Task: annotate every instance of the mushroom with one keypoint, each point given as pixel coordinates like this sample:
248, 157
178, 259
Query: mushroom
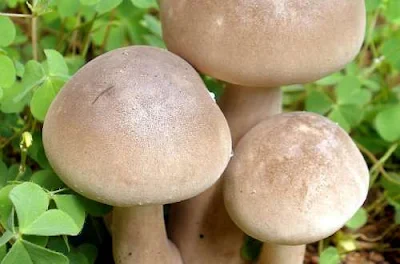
296, 178
256, 46
136, 128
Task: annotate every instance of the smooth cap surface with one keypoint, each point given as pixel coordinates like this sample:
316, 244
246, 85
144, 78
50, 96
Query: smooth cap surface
137, 126
265, 43
295, 179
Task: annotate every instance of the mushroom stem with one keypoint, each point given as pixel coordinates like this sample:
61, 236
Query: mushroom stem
200, 227
244, 107
276, 254
139, 236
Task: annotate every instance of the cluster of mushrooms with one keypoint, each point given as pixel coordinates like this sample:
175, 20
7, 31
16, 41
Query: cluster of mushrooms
136, 129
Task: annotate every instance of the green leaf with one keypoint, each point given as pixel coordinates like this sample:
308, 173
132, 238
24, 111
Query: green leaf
3, 252
13, 171
3, 174
392, 11
53, 222
17, 255
56, 63
250, 249
67, 8
30, 202
347, 116
5, 204
388, 125
397, 216
330, 256
352, 69
58, 244
90, 252
152, 24
349, 92
34, 76
7, 72
76, 257
358, 220
390, 185
154, 41
144, 4
9, 103
42, 99
372, 4
36, 152
47, 179
371, 85
71, 205
8, 31
6, 237
37, 240
89, 2
105, 6
41, 255
74, 63
115, 38
94, 208
391, 51
318, 102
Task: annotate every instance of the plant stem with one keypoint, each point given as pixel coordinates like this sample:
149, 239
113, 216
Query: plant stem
320, 247
379, 164
59, 191
108, 30
22, 166
369, 43
86, 42
16, 15
34, 35
375, 204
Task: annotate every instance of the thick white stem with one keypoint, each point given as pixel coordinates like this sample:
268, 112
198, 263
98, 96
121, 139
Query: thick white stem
139, 236
278, 254
200, 227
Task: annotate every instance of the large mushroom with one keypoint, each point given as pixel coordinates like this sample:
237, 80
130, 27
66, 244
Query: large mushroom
295, 179
256, 46
136, 128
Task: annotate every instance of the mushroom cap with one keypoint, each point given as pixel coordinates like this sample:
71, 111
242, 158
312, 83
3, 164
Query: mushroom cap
265, 43
295, 179
137, 126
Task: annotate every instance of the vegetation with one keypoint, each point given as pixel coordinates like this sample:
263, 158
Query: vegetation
44, 42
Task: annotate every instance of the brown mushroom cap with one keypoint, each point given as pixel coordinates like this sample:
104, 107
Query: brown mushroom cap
137, 126
295, 178
265, 43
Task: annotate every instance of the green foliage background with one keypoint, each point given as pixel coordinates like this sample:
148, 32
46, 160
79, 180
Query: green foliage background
44, 42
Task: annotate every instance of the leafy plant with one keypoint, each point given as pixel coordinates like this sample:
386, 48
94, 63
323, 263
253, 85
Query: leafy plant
44, 42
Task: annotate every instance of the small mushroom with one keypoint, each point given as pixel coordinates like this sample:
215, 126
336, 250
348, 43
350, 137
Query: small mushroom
136, 128
256, 46
295, 179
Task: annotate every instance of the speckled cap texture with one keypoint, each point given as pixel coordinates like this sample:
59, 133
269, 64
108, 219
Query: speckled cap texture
265, 43
137, 126
295, 179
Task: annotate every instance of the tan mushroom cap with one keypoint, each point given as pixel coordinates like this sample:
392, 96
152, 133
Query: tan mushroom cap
295, 179
137, 126
265, 42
